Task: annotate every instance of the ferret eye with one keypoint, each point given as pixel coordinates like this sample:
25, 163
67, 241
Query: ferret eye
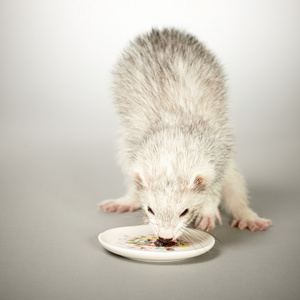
150, 210
184, 213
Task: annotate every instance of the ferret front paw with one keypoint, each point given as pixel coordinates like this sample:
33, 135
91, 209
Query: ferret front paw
253, 225
208, 222
119, 205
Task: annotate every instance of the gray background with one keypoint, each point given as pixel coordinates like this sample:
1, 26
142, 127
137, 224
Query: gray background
57, 149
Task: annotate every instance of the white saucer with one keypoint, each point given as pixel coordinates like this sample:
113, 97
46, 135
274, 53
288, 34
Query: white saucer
136, 242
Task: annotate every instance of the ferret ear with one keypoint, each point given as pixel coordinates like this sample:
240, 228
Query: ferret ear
197, 182
140, 180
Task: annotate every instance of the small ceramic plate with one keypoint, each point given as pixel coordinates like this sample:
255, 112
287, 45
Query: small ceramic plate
137, 243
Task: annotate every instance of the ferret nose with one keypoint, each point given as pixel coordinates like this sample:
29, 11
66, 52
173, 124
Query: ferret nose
164, 241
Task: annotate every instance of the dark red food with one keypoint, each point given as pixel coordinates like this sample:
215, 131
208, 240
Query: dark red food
159, 243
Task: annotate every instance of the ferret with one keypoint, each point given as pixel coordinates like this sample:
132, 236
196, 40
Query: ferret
176, 145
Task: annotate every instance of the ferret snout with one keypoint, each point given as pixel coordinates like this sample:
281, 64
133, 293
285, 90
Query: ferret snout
164, 241
165, 235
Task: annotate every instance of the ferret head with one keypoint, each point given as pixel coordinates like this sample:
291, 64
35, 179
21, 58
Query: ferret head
170, 205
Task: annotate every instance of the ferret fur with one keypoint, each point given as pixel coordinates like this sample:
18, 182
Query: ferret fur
176, 146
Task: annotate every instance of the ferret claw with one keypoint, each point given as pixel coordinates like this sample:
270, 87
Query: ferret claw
252, 225
119, 205
208, 223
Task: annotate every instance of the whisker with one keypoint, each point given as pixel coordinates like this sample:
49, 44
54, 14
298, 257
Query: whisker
191, 241
194, 237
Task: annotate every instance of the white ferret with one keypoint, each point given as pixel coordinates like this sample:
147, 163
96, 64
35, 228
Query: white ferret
176, 143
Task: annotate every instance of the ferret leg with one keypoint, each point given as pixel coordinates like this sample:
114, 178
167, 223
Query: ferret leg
236, 202
209, 213
130, 202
